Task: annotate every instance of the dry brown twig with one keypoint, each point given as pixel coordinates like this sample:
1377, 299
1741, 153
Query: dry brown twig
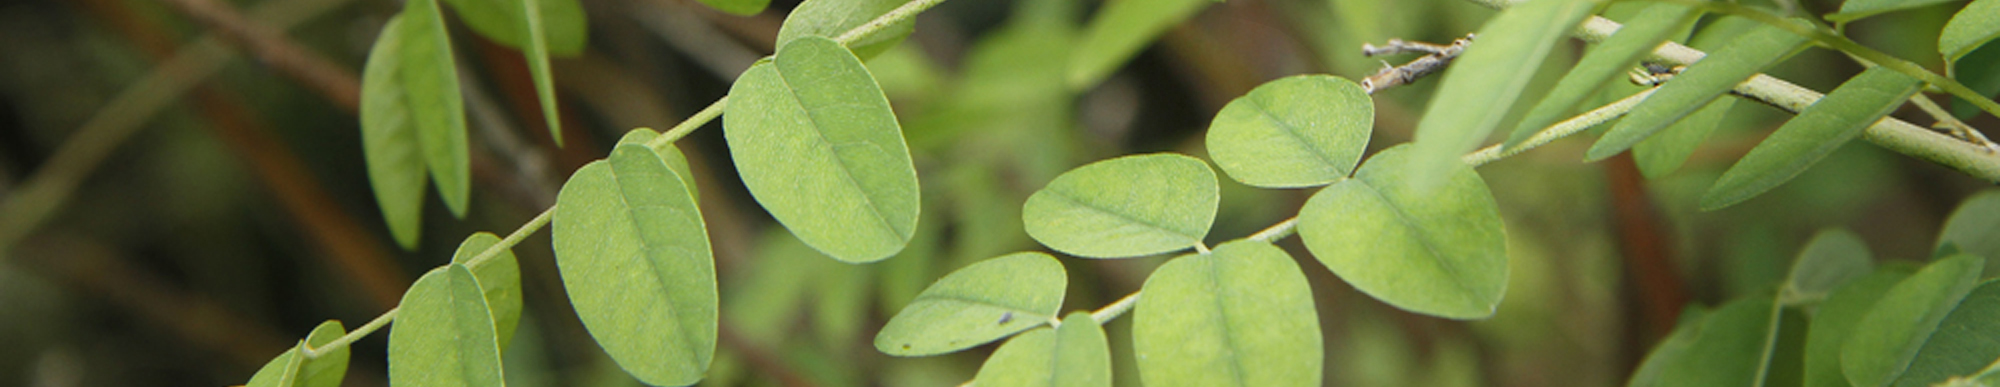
1436, 58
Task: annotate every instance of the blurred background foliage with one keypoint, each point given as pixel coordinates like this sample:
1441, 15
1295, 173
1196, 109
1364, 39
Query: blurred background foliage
237, 216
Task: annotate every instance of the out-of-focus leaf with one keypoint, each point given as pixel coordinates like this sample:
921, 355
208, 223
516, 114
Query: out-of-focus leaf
1729, 350
1695, 87
1623, 49
1974, 228
499, 279
1835, 322
1440, 251
563, 23
536, 49
1119, 31
1964, 344
1816, 132
1073, 355
1125, 207
1852, 10
1241, 315
1670, 350
977, 304
1482, 84
443, 335
1831, 259
429, 76
291, 370
1888, 338
634, 256
1298, 131
830, 18
395, 159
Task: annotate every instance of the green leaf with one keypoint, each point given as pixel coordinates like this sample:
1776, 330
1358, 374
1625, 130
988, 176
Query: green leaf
429, 77
1693, 88
1973, 26
1978, 70
1889, 336
291, 370
1482, 84
1125, 207
1836, 320
671, 155
1621, 51
1731, 348
977, 304
1665, 151
389, 138
444, 334
499, 279
1670, 350
1073, 355
830, 18
537, 52
1965, 342
563, 25
1831, 259
1975, 229
739, 7
1816, 132
1241, 315
1852, 10
1119, 31
816, 143
635, 259
1299, 131
1440, 251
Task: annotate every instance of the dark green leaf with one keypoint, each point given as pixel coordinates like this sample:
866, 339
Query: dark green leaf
1665, 151
1241, 315
1073, 355
562, 23
1481, 85
1119, 31
1852, 10
635, 259
1621, 51
1965, 343
830, 18
389, 138
499, 279
1730, 349
1670, 350
537, 52
1835, 322
1440, 251
1299, 131
1695, 87
1817, 131
1125, 207
291, 370
443, 335
1831, 259
429, 77
1975, 229
816, 143
977, 304
1889, 336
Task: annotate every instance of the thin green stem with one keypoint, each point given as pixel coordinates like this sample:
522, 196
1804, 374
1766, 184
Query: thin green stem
905, 12
1118, 308
1277, 231
348, 339
1559, 130
512, 239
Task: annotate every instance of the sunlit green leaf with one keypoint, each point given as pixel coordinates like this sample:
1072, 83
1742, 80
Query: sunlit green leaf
1119, 31
537, 51
499, 279
1073, 355
1241, 315
1665, 151
1973, 26
1669, 352
671, 155
429, 77
1482, 84
1621, 51
1974, 228
280, 372
1965, 342
1125, 207
1831, 259
1835, 322
830, 18
443, 335
395, 160
1889, 336
1695, 87
1852, 10
1440, 251
635, 260
291, 370
1817, 131
815, 142
500, 20
1299, 131
977, 304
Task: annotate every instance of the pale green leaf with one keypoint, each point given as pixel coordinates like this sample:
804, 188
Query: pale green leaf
563, 23
1835, 322
396, 171
1621, 51
1974, 228
499, 279
1665, 151
291, 370
1852, 10
1973, 26
671, 155
830, 18
1695, 87
429, 76
1073, 355
1125, 207
536, 50
815, 142
1888, 337
1669, 352
1965, 343
1816, 132
282, 371
1241, 315
635, 259
1440, 251
1482, 84
443, 335
1299, 131
1831, 259
977, 304
1119, 30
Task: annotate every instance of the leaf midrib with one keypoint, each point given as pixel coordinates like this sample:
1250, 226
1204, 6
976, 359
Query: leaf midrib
1424, 239
686, 338
1294, 133
1066, 197
846, 173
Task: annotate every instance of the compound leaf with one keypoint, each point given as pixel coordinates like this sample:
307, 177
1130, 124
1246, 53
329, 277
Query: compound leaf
1974, 228
499, 279
1298, 131
830, 18
1125, 207
443, 335
1119, 31
1440, 251
1836, 320
1623, 49
1816, 132
634, 256
1241, 315
1482, 84
389, 138
1895, 329
1073, 355
429, 77
977, 304
1695, 87
563, 26
815, 142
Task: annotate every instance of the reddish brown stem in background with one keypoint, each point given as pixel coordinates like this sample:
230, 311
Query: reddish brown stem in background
1653, 281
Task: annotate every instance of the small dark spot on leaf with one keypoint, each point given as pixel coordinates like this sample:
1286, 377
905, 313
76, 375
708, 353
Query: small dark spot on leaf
906, 346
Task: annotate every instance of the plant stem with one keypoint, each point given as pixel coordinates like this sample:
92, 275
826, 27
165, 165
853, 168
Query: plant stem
513, 238
1276, 231
688, 126
1559, 130
1108, 312
359, 332
902, 13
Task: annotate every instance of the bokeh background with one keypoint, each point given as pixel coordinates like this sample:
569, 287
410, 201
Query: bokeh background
178, 212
